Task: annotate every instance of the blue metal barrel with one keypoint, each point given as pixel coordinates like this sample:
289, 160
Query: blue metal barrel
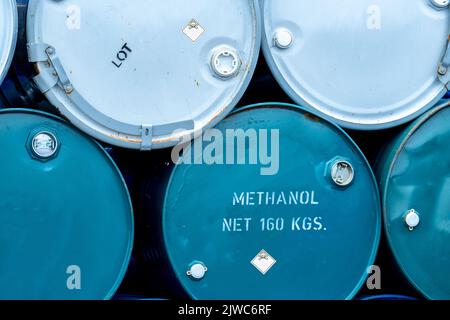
414, 172
365, 64
305, 227
8, 34
66, 219
159, 72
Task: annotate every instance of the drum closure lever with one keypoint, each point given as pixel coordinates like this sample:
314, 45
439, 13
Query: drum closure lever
53, 73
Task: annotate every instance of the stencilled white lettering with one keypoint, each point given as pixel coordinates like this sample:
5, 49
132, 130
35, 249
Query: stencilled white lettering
253, 199
261, 198
236, 225
273, 224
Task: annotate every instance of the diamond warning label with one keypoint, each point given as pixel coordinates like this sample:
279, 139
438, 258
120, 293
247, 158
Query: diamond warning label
193, 30
263, 262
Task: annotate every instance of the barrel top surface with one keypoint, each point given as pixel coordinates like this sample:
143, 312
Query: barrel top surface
143, 67
8, 35
66, 222
366, 64
418, 179
318, 238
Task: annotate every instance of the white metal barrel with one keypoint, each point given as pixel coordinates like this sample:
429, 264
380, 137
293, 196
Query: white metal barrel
142, 74
8, 34
366, 64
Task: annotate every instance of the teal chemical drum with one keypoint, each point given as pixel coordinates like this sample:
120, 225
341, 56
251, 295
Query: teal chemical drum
415, 175
66, 220
276, 204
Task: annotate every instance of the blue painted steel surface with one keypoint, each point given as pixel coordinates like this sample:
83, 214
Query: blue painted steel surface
218, 216
66, 221
414, 172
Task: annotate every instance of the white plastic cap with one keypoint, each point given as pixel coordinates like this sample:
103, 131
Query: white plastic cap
283, 38
412, 219
197, 271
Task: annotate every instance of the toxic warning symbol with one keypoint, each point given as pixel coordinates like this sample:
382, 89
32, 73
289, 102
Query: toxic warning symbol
263, 262
193, 30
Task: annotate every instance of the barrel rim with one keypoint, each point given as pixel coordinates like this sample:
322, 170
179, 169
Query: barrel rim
13, 43
389, 297
109, 134
405, 137
128, 254
299, 99
301, 109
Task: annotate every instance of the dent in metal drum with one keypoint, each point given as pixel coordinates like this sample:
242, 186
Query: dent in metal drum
417, 178
364, 64
8, 34
66, 221
327, 260
139, 68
